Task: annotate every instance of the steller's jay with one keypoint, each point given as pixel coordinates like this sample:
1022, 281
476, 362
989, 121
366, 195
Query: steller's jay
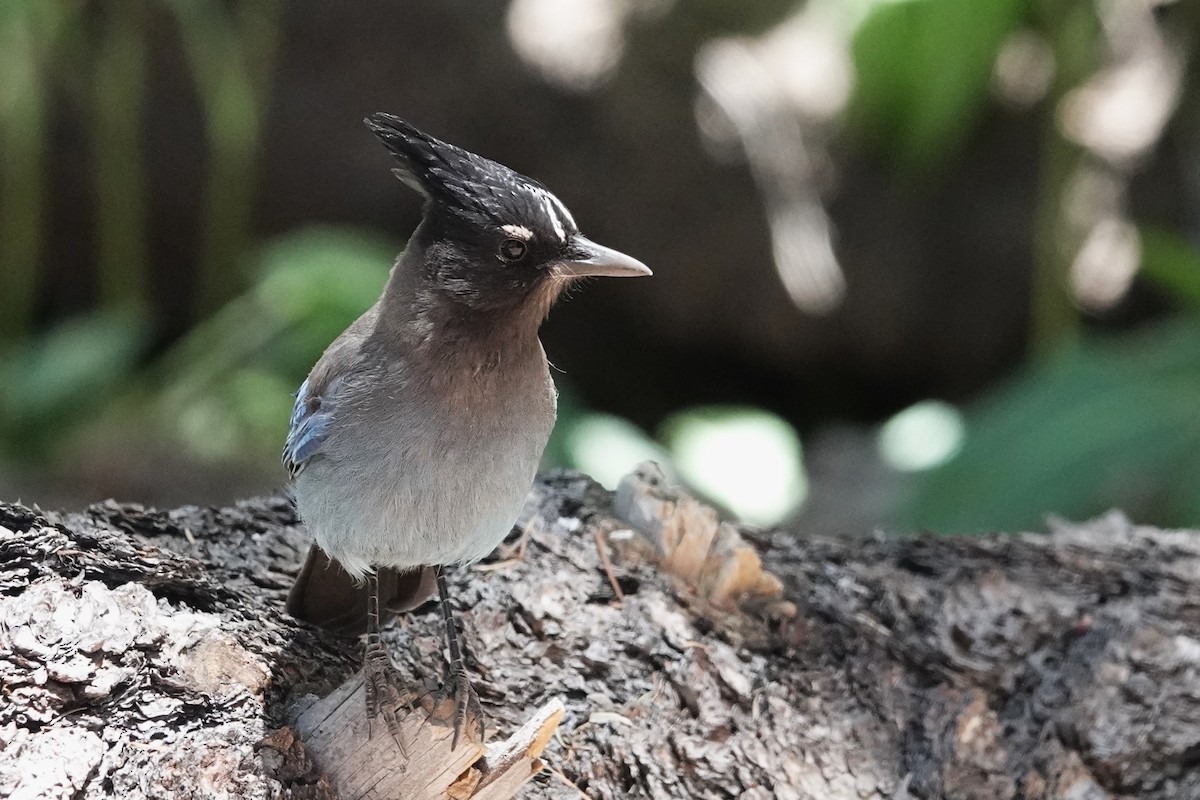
417, 435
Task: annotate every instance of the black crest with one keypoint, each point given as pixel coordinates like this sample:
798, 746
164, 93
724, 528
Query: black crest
477, 190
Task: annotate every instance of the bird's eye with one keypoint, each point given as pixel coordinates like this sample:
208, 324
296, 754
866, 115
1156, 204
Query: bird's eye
512, 250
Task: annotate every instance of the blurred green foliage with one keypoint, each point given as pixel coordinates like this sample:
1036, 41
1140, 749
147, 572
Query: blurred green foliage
225, 390
1110, 423
53, 384
231, 50
28, 33
97, 56
923, 68
1091, 421
1096, 423
1169, 262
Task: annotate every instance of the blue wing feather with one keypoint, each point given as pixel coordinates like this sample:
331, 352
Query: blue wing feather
308, 429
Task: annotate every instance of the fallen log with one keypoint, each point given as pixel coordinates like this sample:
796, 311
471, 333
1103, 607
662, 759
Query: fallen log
146, 654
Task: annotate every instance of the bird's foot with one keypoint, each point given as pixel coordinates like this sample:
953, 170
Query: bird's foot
456, 702
383, 686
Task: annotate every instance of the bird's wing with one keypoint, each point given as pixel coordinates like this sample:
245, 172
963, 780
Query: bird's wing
339, 368
309, 425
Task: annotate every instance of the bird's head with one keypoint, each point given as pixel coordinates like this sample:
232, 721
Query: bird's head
491, 237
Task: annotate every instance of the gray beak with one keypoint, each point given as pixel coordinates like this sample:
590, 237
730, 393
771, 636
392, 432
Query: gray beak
586, 259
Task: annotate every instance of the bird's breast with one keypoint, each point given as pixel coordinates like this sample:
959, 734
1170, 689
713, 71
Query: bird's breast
431, 471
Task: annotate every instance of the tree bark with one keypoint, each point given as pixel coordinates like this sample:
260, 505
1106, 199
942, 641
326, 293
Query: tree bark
146, 654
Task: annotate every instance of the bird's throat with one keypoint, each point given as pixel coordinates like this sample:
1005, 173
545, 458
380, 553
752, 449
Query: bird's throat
474, 340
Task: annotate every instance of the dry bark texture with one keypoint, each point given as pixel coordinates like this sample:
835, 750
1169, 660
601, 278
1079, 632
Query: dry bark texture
145, 654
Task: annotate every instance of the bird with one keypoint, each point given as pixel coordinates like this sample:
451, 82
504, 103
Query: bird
417, 435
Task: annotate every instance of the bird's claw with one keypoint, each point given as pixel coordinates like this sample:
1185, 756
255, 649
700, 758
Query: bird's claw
384, 695
457, 702
454, 702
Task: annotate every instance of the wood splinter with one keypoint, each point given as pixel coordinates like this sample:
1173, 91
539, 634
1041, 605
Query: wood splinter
371, 767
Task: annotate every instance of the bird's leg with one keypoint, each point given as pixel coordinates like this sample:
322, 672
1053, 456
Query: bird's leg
606, 562
381, 682
466, 702
516, 550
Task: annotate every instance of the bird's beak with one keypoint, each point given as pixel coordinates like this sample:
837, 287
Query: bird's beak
586, 259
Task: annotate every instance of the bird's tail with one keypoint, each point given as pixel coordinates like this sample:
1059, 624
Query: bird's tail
328, 596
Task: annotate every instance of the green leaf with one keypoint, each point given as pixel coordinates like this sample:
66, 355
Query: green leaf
227, 387
67, 375
923, 72
1110, 424
1173, 264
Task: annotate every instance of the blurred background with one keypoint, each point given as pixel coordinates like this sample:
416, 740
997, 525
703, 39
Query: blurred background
919, 264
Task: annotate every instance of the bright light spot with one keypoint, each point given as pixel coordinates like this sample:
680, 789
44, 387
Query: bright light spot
802, 243
777, 93
1120, 113
1104, 267
1024, 68
851, 13
747, 460
573, 43
810, 65
608, 448
922, 436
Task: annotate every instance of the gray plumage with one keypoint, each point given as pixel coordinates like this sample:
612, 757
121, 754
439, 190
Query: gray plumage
434, 437
418, 433
416, 436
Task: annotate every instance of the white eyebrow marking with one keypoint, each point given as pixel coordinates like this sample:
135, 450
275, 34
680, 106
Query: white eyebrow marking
519, 231
557, 213
553, 214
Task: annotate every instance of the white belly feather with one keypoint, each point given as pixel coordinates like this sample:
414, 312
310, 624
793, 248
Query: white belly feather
395, 492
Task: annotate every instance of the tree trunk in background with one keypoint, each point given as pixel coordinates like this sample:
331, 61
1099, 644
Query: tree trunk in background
146, 654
